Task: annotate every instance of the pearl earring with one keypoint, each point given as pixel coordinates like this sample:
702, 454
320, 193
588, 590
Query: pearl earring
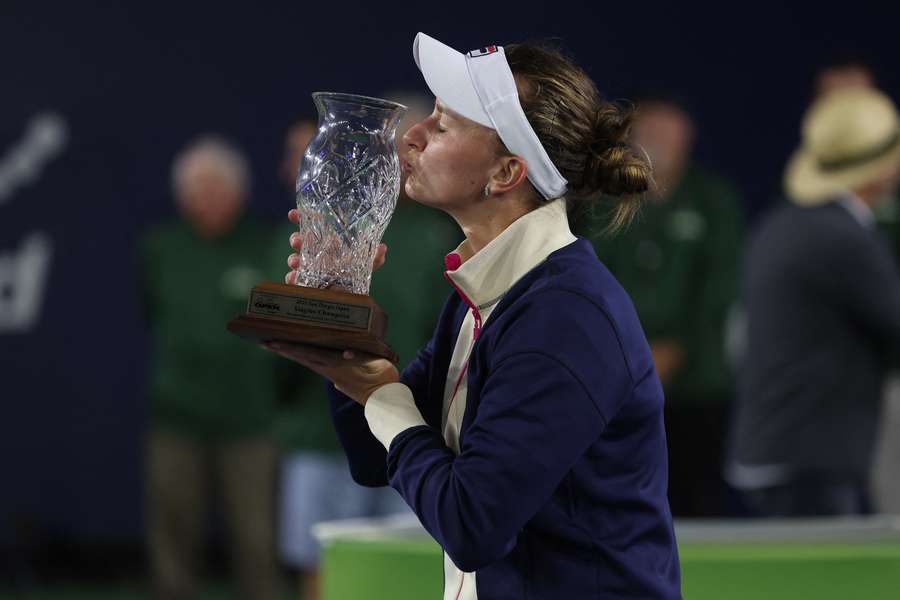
487, 190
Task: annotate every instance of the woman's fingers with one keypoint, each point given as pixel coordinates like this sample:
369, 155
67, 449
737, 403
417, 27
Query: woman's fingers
359, 358
380, 256
320, 357
308, 355
296, 242
356, 374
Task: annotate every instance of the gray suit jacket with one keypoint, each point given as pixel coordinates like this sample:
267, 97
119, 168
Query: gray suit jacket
822, 293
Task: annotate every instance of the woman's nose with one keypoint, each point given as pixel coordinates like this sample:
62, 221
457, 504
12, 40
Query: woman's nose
415, 136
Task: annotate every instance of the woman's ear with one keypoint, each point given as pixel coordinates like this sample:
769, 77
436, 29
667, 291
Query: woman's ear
510, 173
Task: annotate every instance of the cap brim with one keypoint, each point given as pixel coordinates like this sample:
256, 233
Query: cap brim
447, 76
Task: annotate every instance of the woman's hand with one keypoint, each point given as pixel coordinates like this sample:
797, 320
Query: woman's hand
296, 242
355, 374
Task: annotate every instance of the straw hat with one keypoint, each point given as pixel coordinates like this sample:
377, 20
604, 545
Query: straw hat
851, 137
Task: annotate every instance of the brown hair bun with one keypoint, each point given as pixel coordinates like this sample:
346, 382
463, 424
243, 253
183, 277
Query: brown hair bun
585, 135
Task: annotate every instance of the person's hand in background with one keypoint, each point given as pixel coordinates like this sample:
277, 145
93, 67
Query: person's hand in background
668, 357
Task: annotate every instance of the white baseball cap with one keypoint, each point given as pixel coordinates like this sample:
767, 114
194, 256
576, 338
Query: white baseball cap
480, 86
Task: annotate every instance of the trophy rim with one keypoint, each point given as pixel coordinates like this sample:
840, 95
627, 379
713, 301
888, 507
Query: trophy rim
379, 102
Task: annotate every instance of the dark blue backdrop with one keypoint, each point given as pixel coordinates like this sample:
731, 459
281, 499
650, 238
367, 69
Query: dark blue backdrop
95, 98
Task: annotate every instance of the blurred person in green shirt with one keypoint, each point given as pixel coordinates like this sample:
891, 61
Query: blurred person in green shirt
679, 263
315, 478
211, 393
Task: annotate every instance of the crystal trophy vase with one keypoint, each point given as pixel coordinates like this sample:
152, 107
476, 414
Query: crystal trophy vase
347, 190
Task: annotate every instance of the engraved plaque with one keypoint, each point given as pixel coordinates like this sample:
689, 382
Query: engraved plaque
323, 312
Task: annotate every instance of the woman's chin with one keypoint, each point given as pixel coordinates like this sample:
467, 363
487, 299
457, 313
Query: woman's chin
413, 192
419, 196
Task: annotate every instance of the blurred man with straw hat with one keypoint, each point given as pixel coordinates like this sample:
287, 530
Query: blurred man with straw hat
823, 306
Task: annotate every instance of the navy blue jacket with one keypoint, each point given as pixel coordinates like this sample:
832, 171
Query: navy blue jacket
559, 489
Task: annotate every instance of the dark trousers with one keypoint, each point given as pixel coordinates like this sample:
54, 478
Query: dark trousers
812, 494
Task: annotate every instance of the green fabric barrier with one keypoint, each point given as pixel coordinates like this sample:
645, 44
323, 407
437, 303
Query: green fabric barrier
411, 569
791, 571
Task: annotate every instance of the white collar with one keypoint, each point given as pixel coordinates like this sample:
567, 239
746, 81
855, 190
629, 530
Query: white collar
858, 209
487, 275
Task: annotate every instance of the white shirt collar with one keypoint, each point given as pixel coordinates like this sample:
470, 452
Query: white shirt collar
859, 210
486, 276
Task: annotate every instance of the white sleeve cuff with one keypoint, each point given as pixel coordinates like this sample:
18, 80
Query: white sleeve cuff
390, 410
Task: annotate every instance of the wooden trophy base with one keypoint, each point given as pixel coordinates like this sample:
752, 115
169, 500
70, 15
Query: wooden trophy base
323, 318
